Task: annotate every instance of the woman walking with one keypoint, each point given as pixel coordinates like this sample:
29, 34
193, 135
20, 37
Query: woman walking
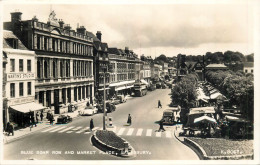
129, 120
159, 104
91, 125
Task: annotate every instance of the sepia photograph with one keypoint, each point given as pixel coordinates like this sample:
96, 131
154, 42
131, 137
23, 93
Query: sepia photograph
130, 82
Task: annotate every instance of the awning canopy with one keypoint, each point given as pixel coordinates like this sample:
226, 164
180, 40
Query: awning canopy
120, 88
122, 83
25, 108
131, 86
237, 119
145, 82
103, 89
201, 110
205, 118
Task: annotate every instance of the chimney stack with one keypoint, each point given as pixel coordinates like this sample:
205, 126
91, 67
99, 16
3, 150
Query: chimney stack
126, 50
81, 30
61, 23
16, 16
67, 27
99, 34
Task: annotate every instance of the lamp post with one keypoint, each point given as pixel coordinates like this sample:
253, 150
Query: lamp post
104, 97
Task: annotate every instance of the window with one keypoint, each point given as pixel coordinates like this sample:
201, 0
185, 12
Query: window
246, 70
29, 67
29, 88
13, 42
20, 89
12, 90
12, 65
252, 70
38, 69
21, 65
54, 69
45, 69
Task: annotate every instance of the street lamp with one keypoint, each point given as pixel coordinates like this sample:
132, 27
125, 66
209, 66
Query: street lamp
104, 98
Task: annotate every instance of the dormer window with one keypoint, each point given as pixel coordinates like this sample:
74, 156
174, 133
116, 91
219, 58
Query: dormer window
13, 42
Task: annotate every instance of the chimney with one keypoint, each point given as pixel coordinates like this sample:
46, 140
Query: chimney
81, 30
99, 34
126, 50
61, 23
67, 27
16, 16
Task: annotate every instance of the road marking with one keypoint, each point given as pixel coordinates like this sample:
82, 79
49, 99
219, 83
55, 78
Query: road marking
149, 132
54, 127
58, 129
76, 128
139, 132
130, 132
168, 134
66, 129
96, 128
158, 134
87, 133
121, 131
84, 129
69, 131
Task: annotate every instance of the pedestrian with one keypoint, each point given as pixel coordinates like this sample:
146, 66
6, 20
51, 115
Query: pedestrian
51, 118
159, 104
129, 120
7, 129
91, 125
11, 129
37, 117
161, 126
41, 115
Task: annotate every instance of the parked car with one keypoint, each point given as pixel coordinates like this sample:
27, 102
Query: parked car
110, 107
168, 117
63, 119
152, 87
119, 99
158, 85
89, 110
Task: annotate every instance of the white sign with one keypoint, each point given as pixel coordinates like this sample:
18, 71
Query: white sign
20, 76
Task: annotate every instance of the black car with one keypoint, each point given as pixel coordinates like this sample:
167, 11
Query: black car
63, 119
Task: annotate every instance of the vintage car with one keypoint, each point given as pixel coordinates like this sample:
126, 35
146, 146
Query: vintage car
89, 110
110, 107
119, 99
152, 87
168, 117
63, 119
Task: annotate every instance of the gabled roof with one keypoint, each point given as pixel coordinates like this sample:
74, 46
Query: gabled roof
97, 45
10, 35
104, 46
93, 36
249, 64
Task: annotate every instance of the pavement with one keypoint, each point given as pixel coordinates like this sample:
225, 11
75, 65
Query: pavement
41, 125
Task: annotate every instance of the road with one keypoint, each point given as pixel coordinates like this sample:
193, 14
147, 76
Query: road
72, 141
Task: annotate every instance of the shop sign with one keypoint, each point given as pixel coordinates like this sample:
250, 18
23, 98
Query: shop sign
20, 76
20, 100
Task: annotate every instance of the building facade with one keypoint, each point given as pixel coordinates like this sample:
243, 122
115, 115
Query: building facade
248, 67
123, 70
64, 61
18, 80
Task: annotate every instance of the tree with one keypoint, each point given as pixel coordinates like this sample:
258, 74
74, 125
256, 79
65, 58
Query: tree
162, 57
184, 94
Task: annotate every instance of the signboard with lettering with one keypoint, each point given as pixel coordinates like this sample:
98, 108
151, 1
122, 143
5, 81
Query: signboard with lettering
23, 100
20, 76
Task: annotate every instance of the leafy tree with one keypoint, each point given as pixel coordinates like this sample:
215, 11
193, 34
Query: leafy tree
162, 57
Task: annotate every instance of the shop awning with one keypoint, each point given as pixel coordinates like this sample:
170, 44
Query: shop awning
25, 108
103, 89
120, 88
201, 110
131, 86
122, 83
145, 82
205, 118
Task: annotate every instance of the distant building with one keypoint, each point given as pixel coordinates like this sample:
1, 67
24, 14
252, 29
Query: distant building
248, 67
216, 67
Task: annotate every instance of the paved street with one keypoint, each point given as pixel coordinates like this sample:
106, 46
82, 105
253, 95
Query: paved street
75, 136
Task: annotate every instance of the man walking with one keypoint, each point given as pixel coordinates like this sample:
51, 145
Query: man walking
161, 126
41, 115
37, 117
159, 104
91, 125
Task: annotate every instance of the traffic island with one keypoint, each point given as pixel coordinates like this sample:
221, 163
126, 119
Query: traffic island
221, 149
110, 143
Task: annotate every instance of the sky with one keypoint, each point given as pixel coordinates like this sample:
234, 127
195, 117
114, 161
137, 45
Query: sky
149, 29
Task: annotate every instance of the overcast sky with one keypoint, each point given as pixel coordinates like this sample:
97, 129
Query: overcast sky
157, 29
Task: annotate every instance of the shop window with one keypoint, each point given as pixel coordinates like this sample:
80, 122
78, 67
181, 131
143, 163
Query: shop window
29, 65
20, 89
12, 65
29, 88
12, 90
20, 65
